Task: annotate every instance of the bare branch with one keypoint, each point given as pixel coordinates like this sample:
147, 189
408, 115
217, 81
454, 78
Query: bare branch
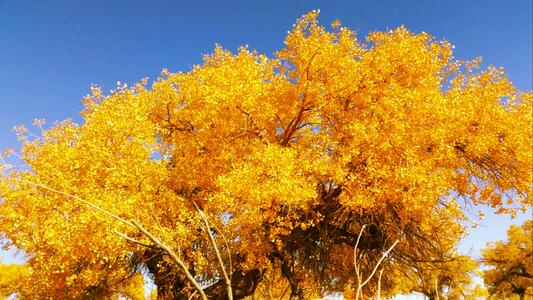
361, 284
174, 257
219, 258
227, 248
94, 206
356, 266
122, 235
379, 262
437, 288
379, 283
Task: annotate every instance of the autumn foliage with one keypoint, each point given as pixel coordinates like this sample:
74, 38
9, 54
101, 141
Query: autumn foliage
285, 158
511, 263
12, 279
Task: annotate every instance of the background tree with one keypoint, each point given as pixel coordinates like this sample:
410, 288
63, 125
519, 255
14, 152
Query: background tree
449, 279
287, 158
511, 263
12, 278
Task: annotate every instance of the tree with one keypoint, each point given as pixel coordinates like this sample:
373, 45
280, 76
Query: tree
511, 263
12, 278
449, 279
256, 168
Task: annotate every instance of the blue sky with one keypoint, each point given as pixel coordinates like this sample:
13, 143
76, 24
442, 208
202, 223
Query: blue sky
52, 51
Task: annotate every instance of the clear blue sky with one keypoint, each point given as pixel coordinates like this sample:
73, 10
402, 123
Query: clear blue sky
52, 51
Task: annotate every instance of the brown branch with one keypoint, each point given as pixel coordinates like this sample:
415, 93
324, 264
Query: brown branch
293, 126
309, 64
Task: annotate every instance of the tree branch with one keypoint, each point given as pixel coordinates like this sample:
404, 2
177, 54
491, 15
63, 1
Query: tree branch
122, 235
219, 258
134, 224
174, 257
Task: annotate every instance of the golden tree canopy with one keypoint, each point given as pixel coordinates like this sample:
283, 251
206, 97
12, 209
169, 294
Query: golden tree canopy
288, 157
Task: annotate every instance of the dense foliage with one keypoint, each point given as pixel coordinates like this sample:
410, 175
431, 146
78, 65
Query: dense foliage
12, 279
285, 159
511, 263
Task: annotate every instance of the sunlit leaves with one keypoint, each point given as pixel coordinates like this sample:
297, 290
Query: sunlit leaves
288, 156
12, 279
510, 263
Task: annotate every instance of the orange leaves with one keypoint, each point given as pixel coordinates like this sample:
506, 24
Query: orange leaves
272, 174
12, 279
511, 267
288, 156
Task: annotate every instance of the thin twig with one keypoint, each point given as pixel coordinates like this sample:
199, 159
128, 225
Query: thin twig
379, 284
437, 288
122, 235
192, 295
94, 206
230, 263
356, 266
